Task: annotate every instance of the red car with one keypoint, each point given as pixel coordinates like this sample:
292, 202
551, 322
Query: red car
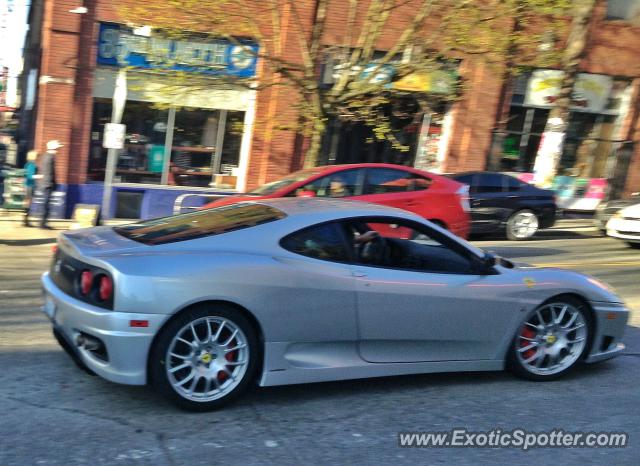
434, 197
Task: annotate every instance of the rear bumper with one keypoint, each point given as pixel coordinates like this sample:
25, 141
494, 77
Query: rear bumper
126, 349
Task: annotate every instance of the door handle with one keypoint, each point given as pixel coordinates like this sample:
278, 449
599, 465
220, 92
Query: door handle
358, 274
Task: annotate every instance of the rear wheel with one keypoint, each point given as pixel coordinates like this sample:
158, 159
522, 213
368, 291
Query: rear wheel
205, 357
551, 340
522, 225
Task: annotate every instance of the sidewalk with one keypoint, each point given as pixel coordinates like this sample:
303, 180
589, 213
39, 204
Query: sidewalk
13, 231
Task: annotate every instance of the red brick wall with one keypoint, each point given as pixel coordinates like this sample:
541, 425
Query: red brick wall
65, 109
59, 51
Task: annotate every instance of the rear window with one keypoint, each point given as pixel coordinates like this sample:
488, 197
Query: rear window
208, 222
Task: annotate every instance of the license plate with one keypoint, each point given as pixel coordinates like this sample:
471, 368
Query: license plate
50, 308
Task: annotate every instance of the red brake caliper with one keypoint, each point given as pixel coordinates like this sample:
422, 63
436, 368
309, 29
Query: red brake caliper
231, 357
527, 333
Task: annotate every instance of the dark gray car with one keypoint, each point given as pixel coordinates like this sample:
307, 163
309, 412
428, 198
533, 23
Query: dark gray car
501, 202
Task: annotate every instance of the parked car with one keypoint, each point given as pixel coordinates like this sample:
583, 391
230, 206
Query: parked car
431, 196
501, 202
606, 210
285, 291
625, 225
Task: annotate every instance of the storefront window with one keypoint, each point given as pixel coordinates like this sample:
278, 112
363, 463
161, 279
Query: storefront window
195, 137
524, 130
205, 145
590, 140
234, 128
628, 10
141, 160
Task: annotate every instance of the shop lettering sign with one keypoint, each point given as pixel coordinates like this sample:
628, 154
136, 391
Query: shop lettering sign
119, 46
590, 93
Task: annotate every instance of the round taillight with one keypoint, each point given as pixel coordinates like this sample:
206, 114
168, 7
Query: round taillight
86, 281
105, 288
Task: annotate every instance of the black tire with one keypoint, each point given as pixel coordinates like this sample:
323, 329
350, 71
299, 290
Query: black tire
634, 245
511, 225
518, 368
158, 355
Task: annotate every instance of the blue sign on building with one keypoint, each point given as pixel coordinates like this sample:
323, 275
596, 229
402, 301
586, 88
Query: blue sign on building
118, 46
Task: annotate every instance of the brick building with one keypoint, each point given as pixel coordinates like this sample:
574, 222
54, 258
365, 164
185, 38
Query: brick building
227, 138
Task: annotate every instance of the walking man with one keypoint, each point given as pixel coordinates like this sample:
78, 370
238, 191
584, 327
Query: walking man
48, 180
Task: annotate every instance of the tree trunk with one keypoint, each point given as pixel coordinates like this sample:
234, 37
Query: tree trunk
500, 130
317, 132
551, 145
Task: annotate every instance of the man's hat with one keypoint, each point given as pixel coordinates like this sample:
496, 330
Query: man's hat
54, 144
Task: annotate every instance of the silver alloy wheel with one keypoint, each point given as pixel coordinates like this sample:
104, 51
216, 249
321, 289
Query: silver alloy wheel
552, 339
524, 224
207, 359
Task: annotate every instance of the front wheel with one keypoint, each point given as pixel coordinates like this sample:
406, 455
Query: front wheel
522, 225
205, 357
551, 340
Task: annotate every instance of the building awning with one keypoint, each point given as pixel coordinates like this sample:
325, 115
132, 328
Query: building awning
433, 82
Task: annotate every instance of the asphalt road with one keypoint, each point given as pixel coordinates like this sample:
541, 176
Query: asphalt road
52, 413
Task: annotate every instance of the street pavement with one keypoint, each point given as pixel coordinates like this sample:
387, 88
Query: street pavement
51, 413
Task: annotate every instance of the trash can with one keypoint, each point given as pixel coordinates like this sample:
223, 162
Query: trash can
14, 192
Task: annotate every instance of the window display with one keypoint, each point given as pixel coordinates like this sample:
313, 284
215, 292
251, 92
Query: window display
204, 145
597, 110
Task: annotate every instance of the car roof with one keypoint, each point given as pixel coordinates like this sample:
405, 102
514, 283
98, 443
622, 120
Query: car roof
295, 206
477, 172
347, 166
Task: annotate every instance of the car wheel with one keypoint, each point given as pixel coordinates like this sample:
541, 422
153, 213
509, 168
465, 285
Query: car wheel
205, 357
634, 245
522, 225
551, 340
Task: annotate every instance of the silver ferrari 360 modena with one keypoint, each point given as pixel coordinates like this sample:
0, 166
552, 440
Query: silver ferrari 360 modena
293, 290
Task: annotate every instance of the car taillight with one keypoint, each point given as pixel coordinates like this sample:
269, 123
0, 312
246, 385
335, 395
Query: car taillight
54, 249
86, 281
463, 194
105, 287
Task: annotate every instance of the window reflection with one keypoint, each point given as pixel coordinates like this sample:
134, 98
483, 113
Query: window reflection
205, 145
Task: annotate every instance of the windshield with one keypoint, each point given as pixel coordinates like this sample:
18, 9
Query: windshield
208, 222
288, 180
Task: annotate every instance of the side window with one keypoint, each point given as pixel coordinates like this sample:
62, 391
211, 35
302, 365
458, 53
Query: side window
340, 184
489, 183
468, 180
388, 180
320, 242
404, 246
512, 184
